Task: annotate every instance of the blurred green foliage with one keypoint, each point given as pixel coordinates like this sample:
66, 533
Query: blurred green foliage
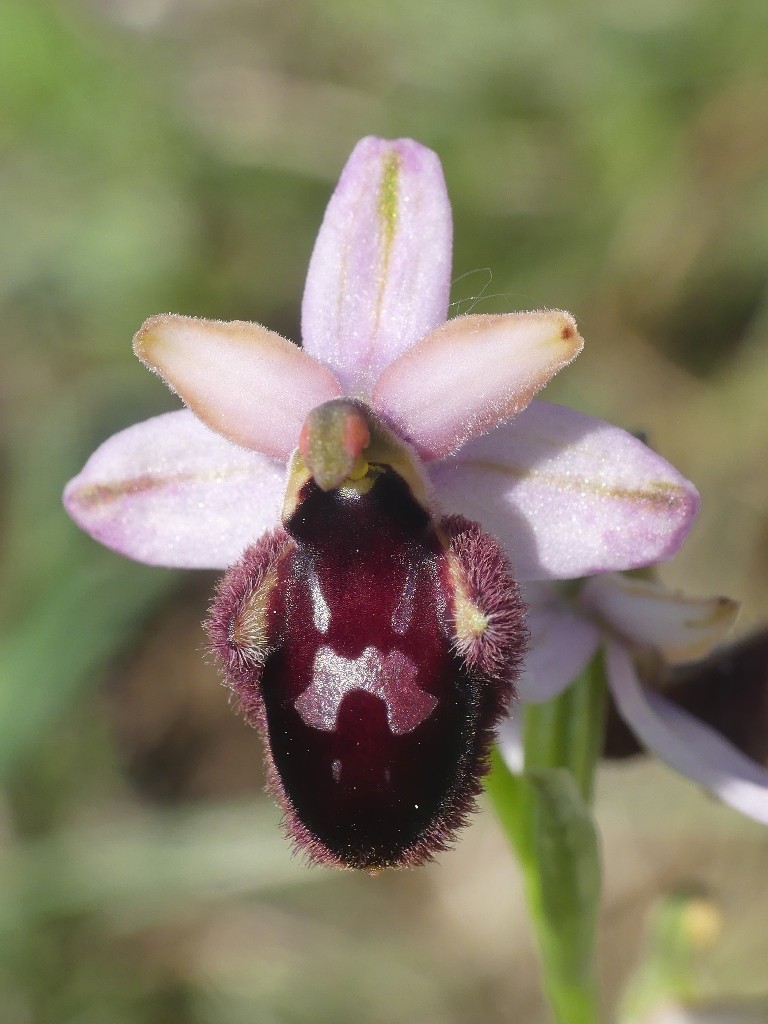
606, 156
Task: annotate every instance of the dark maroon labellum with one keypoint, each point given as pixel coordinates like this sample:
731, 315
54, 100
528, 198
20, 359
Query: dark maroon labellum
376, 653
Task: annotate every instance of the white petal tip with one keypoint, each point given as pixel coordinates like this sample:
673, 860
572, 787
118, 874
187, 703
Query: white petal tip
647, 614
685, 743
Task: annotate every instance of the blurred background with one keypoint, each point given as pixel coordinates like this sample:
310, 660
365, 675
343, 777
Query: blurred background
603, 156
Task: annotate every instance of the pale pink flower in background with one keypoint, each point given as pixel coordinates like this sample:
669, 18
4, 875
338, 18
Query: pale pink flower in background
626, 618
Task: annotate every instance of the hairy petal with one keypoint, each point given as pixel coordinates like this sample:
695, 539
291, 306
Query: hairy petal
169, 491
646, 613
379, 278
471, 374
562, 643
569, 495
247, 383
685, 743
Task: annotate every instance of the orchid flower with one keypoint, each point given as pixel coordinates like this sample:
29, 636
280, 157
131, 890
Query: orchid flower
370, 623
627, 618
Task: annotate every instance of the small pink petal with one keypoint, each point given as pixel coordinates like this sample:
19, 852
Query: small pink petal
380, 274
169, 491
685, 743
569, 495
247, 383
562, 643
471, 374
647, 613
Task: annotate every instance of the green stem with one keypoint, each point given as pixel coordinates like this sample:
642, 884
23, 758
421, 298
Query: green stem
567, 732
546, 816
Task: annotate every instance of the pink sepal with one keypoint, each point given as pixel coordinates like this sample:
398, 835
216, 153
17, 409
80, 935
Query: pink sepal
171, 492
569, 495
380, 274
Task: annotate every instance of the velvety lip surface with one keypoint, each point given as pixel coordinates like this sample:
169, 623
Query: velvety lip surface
373, 724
